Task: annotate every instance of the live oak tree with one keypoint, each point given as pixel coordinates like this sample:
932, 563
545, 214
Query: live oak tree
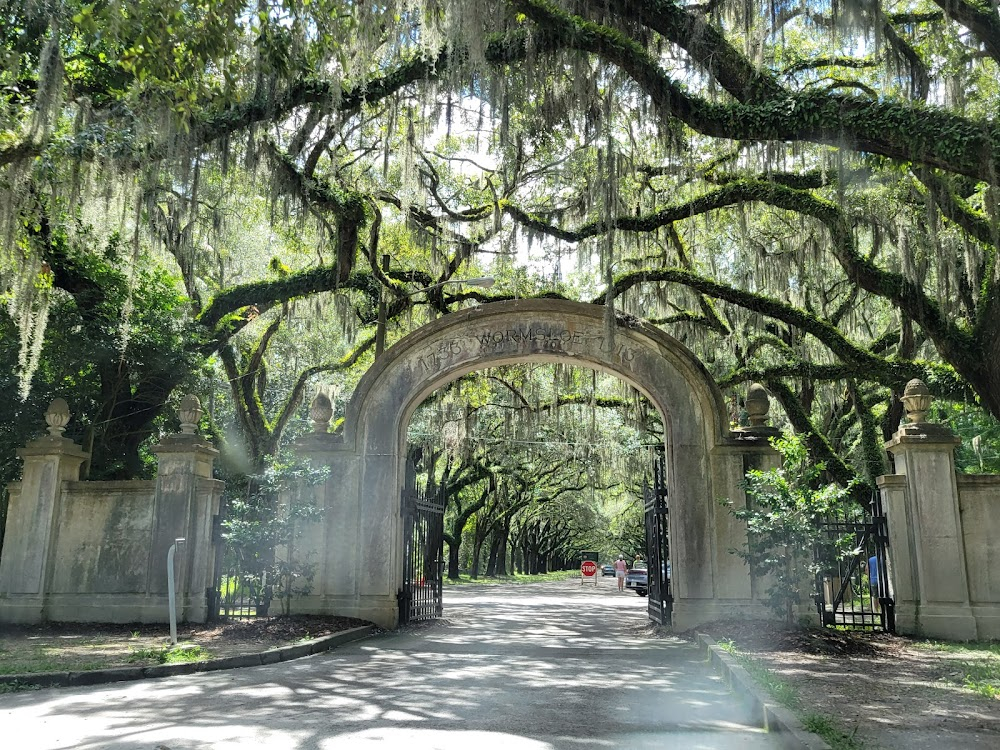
804, 194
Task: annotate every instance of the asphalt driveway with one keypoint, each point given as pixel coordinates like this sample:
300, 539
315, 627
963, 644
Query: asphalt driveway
532, 667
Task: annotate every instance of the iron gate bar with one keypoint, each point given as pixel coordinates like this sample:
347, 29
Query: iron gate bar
420, 597
659, 600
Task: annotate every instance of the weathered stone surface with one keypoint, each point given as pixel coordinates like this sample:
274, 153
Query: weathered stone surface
96, 551
929, 569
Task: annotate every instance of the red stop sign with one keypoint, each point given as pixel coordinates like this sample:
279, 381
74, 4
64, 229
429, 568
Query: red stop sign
588, 569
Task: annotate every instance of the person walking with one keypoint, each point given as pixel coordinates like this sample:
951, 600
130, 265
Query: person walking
873, 583
621, 567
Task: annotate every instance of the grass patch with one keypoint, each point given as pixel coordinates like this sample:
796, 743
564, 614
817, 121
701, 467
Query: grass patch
85, 653
781, 691
179, 654
834, 737
517, 578
977, 664
951, 647
786, 695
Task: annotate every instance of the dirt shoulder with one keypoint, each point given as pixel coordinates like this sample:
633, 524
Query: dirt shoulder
879, 690
72, 647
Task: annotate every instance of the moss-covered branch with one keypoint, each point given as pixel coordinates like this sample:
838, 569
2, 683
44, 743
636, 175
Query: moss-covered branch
946, 383
860, 359
955, 343
979, 18
872, 449
292, 286
322, 195
929, 135
705, 44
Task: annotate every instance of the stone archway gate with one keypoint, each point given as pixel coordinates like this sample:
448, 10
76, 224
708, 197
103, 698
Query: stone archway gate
358, 546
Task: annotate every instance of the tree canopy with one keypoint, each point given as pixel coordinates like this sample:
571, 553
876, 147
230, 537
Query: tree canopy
805, 193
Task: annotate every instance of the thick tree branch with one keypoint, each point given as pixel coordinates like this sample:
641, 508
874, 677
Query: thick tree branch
819, 448
955, 343
705, 44
929, 135
979, 18
295, 285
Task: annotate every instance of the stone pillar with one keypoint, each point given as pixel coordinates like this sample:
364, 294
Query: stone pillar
185, 504
732, 591
332, 543
31, 530
927, 547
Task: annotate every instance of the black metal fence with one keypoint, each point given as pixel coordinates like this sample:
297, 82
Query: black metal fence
243, 594
853, 591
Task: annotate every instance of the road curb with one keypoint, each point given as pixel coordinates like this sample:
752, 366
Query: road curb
773, 717
123, 674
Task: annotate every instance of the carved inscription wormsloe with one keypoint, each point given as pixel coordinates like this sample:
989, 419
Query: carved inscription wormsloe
528, 339
551, 338
538, 337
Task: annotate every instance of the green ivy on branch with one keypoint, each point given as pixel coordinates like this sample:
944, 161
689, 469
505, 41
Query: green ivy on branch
904, 132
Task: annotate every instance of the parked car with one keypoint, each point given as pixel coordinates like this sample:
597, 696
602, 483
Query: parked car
637, 579
608, 570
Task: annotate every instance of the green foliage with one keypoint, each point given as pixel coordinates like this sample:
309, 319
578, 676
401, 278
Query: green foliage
112, 346
265, 513
179, 654
979, 452
16, 687
784, 508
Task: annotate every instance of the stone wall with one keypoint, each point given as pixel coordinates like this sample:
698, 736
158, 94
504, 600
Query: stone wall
103, 534
944, 533
979, 503
96, 551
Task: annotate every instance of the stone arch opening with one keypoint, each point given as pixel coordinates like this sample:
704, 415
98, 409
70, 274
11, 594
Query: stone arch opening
358, 549
584, 433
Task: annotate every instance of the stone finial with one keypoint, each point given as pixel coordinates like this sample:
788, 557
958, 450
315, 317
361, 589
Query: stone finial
190, 413
321, 412
916, 400
57, 417
758, 404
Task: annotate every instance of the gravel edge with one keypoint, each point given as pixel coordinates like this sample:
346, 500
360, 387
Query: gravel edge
122, 674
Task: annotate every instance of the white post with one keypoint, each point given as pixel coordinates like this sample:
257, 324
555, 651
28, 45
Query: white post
171, 596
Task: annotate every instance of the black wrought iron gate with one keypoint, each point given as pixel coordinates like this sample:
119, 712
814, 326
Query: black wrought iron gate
423, 548
654, 493
854, 591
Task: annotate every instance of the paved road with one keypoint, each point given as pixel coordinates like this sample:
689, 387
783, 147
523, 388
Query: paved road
534, 667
